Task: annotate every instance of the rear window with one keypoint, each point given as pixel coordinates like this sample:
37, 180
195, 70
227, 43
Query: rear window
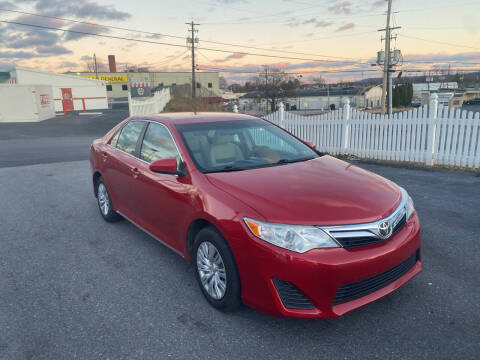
128, 138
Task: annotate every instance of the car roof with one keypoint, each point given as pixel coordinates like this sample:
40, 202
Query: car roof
199, 117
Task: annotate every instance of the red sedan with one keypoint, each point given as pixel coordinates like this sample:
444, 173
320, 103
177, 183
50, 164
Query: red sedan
267, 220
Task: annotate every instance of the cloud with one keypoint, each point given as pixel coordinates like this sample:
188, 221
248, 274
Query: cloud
68, 64
86, 58
228, 2
343, 7
33, 39
83, 9
443, 58
154, 36
31, 42
322, 24
379, 3
311, 21
234, 56
37, 20
52, 50
6, 66
345, 27
17, 54
7, 5
88, 28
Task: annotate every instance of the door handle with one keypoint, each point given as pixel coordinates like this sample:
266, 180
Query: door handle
135, 172
104, 155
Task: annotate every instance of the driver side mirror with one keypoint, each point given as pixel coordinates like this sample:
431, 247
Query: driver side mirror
168, 166
311, 145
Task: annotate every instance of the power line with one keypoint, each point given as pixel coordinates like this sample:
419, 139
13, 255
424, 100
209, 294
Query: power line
441, 42
91, 24
240, 71
319, 38
161, 43
172, 58
176, 36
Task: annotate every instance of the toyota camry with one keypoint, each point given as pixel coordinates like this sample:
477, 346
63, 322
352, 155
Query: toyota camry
266, 219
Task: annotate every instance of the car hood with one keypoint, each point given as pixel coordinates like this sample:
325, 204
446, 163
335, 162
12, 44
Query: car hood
321, 191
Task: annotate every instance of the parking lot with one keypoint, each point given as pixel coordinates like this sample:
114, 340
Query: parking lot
74, 286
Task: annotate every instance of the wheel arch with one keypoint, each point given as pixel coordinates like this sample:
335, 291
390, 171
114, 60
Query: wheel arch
193, 229
96, 176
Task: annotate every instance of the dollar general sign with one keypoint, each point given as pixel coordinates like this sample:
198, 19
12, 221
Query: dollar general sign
109, 78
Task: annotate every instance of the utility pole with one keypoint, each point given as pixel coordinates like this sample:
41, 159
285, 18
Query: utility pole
95, 64
386, 67
193, 40
387, 64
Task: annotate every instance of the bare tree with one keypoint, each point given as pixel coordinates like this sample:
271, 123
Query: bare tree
270, 83
223, 83
318, 80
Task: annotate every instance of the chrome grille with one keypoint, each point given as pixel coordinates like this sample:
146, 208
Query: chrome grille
354, 235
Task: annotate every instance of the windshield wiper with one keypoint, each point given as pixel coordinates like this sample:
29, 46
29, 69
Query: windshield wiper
288, 161
228, 168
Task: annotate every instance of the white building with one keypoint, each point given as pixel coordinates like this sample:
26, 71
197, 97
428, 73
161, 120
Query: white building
70, 92
370, 97
305, 100
419, 88
26, 103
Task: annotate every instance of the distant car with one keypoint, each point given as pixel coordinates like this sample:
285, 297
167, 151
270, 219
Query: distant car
472, 102
416, 102
265, 219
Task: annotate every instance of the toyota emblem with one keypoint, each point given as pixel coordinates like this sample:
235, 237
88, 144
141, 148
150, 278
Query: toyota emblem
385, 229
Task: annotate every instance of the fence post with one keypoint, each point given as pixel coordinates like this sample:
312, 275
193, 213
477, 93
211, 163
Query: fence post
129, 102
347, 115
432, 116
235, 108
281, 112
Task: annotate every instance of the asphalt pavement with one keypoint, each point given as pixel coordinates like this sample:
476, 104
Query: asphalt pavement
75, 287
63, 138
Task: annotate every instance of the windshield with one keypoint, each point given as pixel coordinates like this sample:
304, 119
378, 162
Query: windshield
241, 145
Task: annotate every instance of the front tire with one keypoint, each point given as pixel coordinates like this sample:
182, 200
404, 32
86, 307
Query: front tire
216, 271
105, 203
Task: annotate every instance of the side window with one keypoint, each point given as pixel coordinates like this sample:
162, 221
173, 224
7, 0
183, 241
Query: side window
158, 144
127, 140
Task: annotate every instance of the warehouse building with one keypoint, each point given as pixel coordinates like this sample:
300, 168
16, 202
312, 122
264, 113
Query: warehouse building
70, 92
117, 82
26, 103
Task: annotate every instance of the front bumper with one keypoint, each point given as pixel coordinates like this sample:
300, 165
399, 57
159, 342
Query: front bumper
319, 273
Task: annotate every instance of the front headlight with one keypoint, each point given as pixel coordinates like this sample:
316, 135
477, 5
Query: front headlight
408, 203
297, 238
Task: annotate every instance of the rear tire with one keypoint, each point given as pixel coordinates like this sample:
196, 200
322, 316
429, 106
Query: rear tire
216, 271
105, 203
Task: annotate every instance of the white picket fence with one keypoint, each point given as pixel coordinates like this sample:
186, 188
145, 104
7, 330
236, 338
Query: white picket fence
151, 105
432, 134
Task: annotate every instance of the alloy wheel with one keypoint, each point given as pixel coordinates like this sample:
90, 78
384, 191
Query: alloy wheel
211, 270
103, 199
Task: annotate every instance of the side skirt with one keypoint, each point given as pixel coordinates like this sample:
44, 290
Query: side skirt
153, 236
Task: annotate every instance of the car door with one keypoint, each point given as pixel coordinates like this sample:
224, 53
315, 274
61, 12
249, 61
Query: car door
163, 200
121, 165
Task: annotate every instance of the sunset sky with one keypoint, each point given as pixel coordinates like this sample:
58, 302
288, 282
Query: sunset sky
335, 37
